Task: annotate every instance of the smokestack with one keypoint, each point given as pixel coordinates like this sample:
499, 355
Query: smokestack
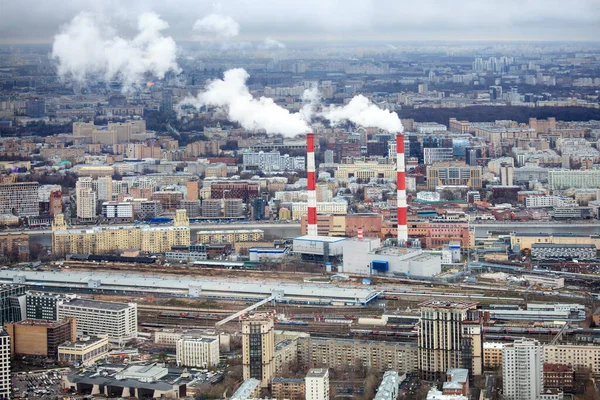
401, 190
312, 182
360, 233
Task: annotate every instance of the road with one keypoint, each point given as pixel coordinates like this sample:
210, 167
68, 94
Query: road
193, 226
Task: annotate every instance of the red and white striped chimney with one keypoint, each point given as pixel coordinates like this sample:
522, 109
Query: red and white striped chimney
312, 183
401, 190
359, 233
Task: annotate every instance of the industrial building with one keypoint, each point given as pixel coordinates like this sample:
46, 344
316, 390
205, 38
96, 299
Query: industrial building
366, 256
322, 248
211, 288
139, 381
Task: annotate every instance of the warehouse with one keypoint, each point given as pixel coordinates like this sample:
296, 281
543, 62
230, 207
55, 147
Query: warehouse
218, 289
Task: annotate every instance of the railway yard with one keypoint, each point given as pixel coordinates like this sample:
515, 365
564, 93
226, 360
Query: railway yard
386, 316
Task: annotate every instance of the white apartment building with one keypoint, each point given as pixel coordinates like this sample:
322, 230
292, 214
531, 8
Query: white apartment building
273, 161
95, 318
549, 201
522, 369
316, 384
86, 202
5, 381
200, 352
560, 179
112, 209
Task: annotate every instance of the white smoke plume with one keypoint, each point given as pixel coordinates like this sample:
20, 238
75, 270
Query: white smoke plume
271, 44
364, 113
311, 99
232, 95
85, 48
219, 25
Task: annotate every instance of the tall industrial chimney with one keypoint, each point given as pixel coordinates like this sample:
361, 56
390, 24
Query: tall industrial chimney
401, 191
312, 183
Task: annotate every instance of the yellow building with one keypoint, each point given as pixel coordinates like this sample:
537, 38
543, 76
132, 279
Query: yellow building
96, 171
526, 240
241, 235
492, 355
84, 351
102, 240
331, 207
366, 170
578, 356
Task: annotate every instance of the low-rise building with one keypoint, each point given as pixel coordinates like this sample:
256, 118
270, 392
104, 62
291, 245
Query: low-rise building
139, 381
559, 376
83, 351
200, 352
288, 388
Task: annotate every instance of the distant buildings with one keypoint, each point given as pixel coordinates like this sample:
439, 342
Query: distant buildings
83, 351
272, 161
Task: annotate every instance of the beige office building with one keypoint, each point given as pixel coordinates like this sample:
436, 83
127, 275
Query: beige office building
449, 337
258, 344
366, 170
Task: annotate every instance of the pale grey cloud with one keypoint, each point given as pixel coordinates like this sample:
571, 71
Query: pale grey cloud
390, 20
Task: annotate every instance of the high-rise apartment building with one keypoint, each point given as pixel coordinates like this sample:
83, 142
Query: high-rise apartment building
522, 370
86, 199
258, 343
20, 199
316, 384
5, 377
449, 337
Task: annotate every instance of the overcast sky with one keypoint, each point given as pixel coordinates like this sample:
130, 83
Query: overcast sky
37, 21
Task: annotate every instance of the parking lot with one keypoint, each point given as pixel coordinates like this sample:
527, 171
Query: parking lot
37, 385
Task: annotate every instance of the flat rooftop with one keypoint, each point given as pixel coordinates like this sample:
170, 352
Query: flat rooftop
97, 304
211, 286
446, 304
317, 373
